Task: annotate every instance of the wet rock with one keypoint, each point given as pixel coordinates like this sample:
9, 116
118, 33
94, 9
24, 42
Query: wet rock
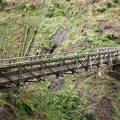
56, 83
103, 25
60, 36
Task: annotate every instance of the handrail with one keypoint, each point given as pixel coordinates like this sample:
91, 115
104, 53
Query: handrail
10, 61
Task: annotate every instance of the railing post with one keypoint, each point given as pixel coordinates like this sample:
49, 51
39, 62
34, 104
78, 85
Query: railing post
10, 61
76, 62
98, 59
108, 58
20, 75
31, 60
101, 60
61, 62
90, 61
88, 57
42, 69
117, 56
111, 58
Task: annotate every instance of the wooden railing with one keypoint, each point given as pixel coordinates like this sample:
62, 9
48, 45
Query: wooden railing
35, 68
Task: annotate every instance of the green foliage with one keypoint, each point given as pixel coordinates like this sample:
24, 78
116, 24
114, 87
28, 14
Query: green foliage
116, 1
2, 100
88, 116
116, 105
118, 98
101, 9
50, 10
112, 37
59, 12
116, 111
102, 42
65, 104
22, 108
54, 8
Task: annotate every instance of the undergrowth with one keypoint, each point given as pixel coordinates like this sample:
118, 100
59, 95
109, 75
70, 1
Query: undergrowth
38, 102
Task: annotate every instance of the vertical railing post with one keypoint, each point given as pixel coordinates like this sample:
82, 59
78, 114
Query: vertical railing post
111, 62
40, 70
90, 61
76, 62
10, 61
117, 55
88, 57
31, 60
20, 75
43, 69
108, 57
98, 59
101, 60
61, 66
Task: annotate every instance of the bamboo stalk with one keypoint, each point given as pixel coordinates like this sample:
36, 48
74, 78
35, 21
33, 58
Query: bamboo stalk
24, 41
19, 51
30, 43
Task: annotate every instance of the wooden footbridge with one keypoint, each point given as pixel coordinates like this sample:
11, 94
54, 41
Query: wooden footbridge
35, 68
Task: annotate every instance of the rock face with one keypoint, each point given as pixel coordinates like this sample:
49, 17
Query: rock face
6, 113
55, 83
104, 25
60, 36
